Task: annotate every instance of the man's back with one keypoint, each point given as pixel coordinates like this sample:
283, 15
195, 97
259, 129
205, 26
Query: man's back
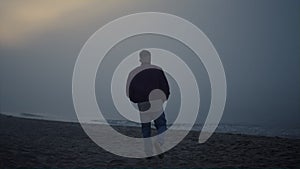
144, 79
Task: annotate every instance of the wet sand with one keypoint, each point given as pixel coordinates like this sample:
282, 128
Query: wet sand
43, 144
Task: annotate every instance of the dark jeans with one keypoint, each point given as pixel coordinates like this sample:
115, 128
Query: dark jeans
160, 124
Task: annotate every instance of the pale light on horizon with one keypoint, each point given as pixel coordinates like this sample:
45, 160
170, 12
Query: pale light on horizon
22, 19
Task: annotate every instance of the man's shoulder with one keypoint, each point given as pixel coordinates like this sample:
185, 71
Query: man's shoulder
135, 70
150, 66
156, 67
144, 67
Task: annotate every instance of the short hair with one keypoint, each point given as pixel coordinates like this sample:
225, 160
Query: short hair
145, 56
145, 53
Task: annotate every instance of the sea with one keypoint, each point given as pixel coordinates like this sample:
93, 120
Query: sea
255, 130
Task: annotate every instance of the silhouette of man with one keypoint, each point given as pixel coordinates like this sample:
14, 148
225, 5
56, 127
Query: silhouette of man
148, 87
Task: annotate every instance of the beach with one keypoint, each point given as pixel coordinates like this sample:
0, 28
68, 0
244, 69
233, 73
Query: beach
34, 143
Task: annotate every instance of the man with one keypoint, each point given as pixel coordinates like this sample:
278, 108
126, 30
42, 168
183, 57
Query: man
148, 87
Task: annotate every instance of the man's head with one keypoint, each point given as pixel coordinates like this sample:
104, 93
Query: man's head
145, 57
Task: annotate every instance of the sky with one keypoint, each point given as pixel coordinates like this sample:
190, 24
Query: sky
258, 43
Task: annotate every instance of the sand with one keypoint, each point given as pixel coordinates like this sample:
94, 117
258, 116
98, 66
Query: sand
43, 144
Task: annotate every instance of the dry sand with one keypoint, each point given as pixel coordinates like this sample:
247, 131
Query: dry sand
43, 144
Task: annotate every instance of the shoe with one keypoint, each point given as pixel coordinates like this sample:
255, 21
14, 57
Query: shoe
157, 146
161, 156
149, 158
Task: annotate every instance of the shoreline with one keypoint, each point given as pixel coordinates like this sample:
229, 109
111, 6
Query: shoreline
222, 128
44, 143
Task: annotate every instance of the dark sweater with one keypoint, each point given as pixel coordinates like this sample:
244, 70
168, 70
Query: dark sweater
146, 81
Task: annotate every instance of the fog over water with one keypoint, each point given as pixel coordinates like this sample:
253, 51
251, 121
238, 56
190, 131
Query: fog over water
258, 42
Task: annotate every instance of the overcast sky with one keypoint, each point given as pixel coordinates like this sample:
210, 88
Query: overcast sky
258, 42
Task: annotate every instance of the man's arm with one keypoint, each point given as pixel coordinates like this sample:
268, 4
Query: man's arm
129, 78
164, 85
